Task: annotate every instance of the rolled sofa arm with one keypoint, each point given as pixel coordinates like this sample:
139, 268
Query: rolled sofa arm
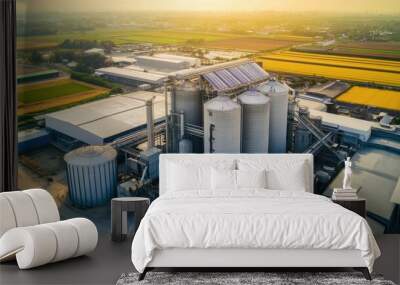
45, 243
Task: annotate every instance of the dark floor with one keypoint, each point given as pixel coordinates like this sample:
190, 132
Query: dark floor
110, 260
103, 266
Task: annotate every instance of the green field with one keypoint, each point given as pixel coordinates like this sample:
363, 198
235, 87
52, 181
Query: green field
64, 88
122, 36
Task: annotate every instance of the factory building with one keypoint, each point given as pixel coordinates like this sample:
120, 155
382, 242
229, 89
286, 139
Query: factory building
122, 61
31, 139
37, 76
106, 120
162, 64
360, 129
153, 70
191, 61
328, 91
130, 76
95, 51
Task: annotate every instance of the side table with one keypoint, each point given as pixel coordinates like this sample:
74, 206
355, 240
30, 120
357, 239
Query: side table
119, 215
358, 206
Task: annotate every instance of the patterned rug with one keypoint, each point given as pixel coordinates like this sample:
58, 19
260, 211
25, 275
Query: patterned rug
244, 278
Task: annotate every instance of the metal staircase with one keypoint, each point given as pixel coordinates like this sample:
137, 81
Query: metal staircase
323, 139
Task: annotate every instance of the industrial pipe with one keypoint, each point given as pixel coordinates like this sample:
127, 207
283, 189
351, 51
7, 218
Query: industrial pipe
182, 124
166, 117
150, 124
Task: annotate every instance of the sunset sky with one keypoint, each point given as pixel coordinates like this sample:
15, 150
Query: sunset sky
342, 6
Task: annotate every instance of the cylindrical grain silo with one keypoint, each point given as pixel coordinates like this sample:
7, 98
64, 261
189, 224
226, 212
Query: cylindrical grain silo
185, 146
279, 95
255, 122
188, 100
92, 175
222, 126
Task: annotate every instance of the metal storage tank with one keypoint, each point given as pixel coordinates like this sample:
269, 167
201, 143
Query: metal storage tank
92, 175
303, 139
255, 122
188, 99
279, 95
222, 126
185, 146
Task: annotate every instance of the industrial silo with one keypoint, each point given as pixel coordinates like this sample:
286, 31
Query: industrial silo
222, 126
255, 122
279, 95
92, 175
185, 146
188, 100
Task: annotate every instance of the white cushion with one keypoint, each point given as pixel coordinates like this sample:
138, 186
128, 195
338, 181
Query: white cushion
46, 207
67, 239
190, 175
40, 244
26, 208
283, 174
34, 244
251, 178
184, 177
23, 208
87, 235
7, 218
293, 180
223, 179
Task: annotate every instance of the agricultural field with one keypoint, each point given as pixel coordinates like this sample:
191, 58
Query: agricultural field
129, 36
122, 36
380, 72
251, 44
340, 61
41, 96
24, 69
385, 99
383, 50
32, 93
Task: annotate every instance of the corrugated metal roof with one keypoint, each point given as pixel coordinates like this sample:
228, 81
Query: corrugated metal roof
234, 77
127, 73
346, 124
97, 121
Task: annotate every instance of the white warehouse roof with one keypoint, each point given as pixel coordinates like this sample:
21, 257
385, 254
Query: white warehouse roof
132, 74
103, 120
162, 64
123, 59
193, 61
359, 127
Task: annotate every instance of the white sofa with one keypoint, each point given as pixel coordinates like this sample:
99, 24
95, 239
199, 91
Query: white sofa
31, 231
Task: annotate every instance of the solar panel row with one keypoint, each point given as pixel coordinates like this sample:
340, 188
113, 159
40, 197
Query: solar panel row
234, 77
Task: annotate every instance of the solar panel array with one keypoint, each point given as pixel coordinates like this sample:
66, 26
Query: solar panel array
234, 77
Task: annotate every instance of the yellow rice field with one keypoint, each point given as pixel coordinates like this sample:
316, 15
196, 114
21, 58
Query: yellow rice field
385, 99
340, 61
379, 72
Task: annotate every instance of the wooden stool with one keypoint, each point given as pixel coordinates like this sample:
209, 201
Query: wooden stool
119, 215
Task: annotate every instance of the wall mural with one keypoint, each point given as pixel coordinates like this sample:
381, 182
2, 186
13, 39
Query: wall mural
95, 81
